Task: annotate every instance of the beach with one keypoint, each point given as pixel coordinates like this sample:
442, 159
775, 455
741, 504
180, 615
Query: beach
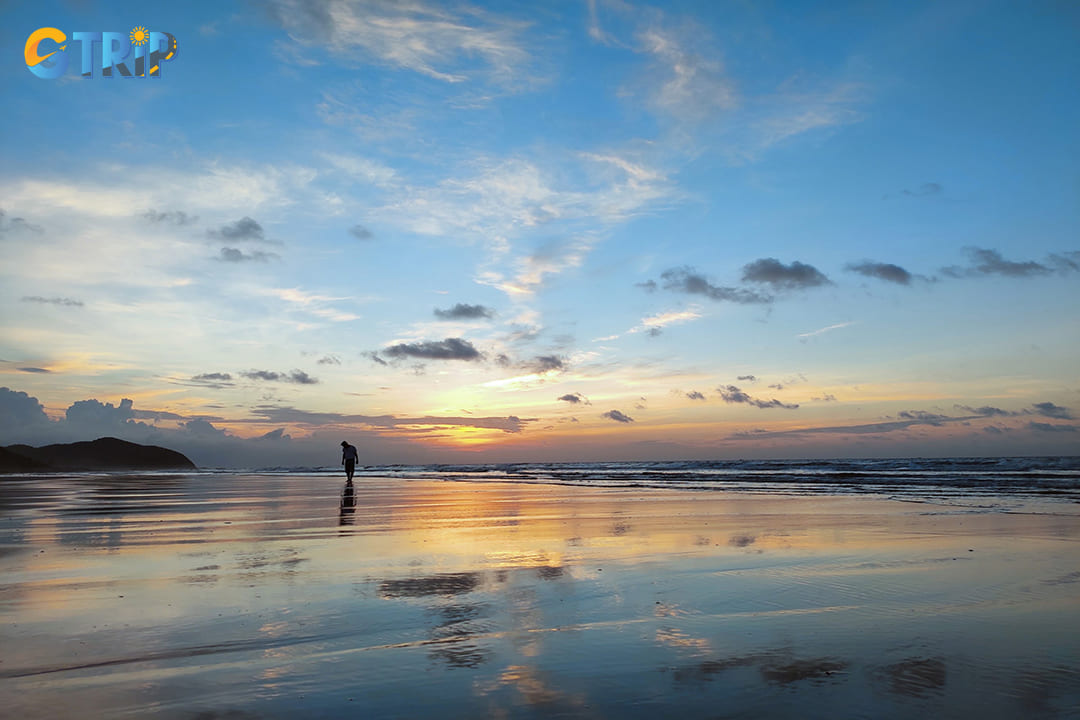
260, 595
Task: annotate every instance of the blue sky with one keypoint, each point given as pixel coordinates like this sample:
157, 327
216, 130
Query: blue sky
571, 230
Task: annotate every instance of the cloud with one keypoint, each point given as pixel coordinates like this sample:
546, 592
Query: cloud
234, 255
575, 399
1051, 427
686, 82
328, 360
430, 40
733, 395
170, 217
688, 280
214, 380
821, 331
17, 225
96, 413
297, 377
617, 416
922, 416
291, 415
66, 302
986, 411
19, 410
448, 349
795, 276
984, 262
360, 232
33, 370
695, 395
243, 229
747, 378
546, 363
655, 323
461, 311
1049, 409
882, 271
924, 189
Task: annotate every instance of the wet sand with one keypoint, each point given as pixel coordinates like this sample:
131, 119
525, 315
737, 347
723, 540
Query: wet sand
262, 597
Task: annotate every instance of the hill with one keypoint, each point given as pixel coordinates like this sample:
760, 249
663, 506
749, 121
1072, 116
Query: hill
102, 454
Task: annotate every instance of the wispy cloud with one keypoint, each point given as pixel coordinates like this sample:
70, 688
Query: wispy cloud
822, 331
66, 302
437, 42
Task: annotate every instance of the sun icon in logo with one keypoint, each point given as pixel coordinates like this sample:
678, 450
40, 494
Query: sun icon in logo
139, 36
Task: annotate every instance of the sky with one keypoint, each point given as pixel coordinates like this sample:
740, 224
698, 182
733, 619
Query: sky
519, 231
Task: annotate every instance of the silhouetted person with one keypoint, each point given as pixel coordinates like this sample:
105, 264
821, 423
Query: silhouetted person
348, 459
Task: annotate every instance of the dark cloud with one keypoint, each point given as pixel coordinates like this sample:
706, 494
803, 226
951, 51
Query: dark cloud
1050, 410
234, 255
747, 378
795, 276
733, 395
688, 280
243, 229
575, 399
825, 398
882, 271
291, 415
66, 302
33, 370
298, 377
617, 416
93, 412
924, 189
927, 418
1066, 262
171, 217
546, 363
19, 410
1051, 427
328, 360
990, 262
374, 357
695, 395
17, 224
213, 380
462, 311
360, 232
448, 349
986, 411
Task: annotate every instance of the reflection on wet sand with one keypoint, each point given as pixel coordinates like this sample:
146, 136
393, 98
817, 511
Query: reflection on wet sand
262, 596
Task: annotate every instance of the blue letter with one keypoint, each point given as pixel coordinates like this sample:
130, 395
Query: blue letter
164, 48
111, 55
87, 39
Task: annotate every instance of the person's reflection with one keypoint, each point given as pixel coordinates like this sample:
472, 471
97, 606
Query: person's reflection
348, 504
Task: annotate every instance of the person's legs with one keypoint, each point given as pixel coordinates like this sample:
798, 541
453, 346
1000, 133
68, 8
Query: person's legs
350, 468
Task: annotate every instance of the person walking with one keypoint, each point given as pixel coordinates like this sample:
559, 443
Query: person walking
349, 456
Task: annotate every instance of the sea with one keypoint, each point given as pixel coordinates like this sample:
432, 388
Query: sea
938, 479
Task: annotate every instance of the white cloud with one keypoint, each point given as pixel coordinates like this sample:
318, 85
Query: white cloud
450, 46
